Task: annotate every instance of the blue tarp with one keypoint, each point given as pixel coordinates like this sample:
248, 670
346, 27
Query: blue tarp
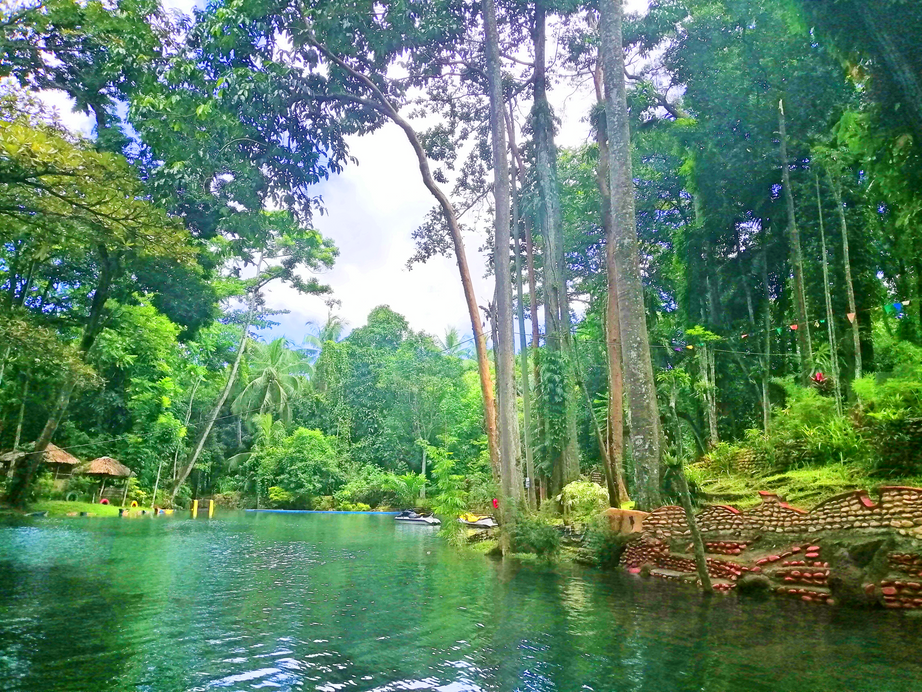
312, 511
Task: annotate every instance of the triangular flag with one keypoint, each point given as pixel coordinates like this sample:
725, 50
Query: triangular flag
889, 309
822, 321
898, 307
905, 302
851, 317
778, 329
690, 347
794, 327
816, 323
743, 336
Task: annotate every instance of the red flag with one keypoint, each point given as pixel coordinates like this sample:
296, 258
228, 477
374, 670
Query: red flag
851, 317
794, 327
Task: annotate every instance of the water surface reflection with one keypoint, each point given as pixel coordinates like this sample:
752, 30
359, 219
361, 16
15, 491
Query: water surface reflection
353, 602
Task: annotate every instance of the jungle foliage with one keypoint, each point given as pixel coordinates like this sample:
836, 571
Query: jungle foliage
775, 150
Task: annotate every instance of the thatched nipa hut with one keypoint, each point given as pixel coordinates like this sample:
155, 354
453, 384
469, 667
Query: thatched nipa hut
61, 463
105, 468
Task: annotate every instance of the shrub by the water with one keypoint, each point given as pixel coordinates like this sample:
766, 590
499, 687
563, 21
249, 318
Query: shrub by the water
603, 545
582, 500
531, 535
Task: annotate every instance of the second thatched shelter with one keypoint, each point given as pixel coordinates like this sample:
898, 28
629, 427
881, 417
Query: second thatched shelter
103, 468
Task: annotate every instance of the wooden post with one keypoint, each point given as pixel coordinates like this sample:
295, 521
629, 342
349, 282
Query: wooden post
194, 508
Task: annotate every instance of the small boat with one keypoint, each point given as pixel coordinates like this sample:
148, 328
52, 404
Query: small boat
477, 521
408, 516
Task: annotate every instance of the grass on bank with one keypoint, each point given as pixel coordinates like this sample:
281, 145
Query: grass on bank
60, 508
804, 488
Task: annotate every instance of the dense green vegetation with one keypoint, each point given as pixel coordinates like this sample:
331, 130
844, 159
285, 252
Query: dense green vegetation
769, 336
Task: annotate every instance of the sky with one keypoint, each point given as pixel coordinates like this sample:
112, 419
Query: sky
371, 211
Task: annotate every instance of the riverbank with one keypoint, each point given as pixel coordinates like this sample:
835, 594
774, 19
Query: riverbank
61, 508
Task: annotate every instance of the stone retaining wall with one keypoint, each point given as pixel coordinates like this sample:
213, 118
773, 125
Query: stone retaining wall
848, 548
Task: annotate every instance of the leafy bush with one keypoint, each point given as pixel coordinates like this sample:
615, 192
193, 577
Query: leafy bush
230, 500
369, 485
304, 464
137, 494
531, 535
407, 488
43, 488
353, 507
602, 544
279, 498
581, 500
325, 503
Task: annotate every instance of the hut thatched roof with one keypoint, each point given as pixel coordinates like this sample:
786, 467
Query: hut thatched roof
56, 455
53, 455
105, 466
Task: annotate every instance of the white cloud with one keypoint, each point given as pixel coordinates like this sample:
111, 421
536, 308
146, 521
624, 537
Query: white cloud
372, 209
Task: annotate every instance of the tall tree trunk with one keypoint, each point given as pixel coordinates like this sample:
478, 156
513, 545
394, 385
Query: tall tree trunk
557, 310
607, 465
19, 420
797, 261
612, 316
219, 404
849, 286
538, 442
505, 374
710, 402
767, 362
22, 411
6, 356
26, 470
697, 542
422, 492
523, 342
635, 344
830, 326
383, 105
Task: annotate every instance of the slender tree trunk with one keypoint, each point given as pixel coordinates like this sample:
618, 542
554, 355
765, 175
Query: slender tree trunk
26, 470
523, 346
830, 326
767, 362
383, 105
22, 411
607, 465
645, 429
849, 286
679, 443
19, 420
697, 542
538, 442
505, 374
710, 402
797, 261
557, 323
6, 356
422, 492
612, 316
216, 409
176, 452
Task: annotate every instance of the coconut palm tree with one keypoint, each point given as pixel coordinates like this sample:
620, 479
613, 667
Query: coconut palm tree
278, 373
452, 344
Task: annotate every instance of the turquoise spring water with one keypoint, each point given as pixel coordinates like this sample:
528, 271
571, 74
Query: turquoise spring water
354, 602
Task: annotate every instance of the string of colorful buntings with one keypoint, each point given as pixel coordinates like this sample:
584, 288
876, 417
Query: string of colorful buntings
897, 310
